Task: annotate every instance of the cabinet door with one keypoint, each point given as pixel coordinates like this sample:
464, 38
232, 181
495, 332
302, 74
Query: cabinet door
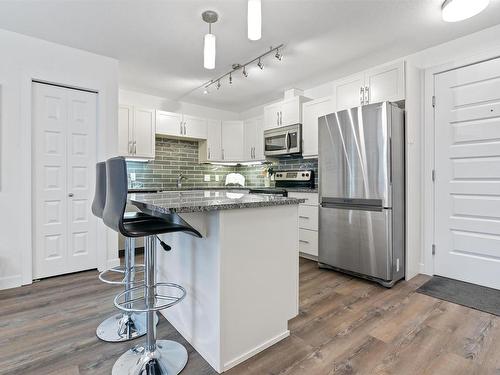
347, 91
125, 130
258, 151
249, 139
311, 111
291, 112
272, 116
214, 144
144, 133
232, 140
386, 83
195, 127
168, 123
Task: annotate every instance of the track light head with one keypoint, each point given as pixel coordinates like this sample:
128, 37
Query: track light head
218, 84
278, 55
230, 78
260, 64
245, 73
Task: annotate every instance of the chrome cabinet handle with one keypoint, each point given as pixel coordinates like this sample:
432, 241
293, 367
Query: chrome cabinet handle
184, 127
180, 131
222, 154
304, 241
281, 118
209, 152
362, 95
130, 147
278, 118
367, 95
135, 147
303, 217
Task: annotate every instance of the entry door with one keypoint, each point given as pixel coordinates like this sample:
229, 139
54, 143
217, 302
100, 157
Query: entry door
467, 188
64, 156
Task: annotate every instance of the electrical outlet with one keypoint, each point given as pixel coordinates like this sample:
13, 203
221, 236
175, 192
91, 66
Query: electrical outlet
132, 176
217, 177
206, 178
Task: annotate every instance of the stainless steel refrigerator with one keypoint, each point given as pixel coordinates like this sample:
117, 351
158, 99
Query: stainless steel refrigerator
361, 187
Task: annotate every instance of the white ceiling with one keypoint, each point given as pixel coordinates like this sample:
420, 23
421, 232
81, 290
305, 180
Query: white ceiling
159, 43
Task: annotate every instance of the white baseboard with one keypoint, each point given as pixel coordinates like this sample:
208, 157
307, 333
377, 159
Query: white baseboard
254, 351
10, 281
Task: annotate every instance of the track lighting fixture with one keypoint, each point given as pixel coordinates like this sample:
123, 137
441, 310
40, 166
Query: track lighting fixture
243, 67
209, 17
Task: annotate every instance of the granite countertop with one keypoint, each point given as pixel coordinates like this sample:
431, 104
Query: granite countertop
154, 190
205, 200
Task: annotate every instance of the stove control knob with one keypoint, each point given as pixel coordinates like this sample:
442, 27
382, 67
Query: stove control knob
303, 174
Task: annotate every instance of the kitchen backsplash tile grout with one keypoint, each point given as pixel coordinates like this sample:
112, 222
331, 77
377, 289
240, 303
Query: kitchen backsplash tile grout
174, 156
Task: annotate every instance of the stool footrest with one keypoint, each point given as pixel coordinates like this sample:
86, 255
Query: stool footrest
176, 294
103, 276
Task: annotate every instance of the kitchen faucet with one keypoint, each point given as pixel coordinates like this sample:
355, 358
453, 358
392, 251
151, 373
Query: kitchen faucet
179, 180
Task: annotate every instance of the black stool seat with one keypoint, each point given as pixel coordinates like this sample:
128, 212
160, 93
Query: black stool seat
149, 227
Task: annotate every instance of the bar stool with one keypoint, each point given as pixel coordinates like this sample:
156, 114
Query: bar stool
155, 357
123, 326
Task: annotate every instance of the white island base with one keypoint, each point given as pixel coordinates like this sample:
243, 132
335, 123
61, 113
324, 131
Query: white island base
241, 280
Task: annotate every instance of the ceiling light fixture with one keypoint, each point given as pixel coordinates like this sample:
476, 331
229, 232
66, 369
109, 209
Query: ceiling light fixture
458, 10
254, 19
236, 67
210, 17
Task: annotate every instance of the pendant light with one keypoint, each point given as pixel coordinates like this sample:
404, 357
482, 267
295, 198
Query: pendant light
254, 19
458, 10
209, 17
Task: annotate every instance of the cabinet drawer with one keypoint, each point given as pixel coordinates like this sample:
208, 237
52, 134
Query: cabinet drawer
308, 242
312, 199
308, 217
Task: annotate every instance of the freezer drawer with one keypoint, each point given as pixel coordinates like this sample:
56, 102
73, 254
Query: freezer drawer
356, 240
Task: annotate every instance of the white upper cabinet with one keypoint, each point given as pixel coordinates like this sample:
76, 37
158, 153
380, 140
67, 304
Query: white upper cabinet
179, 125
348, 92
311, 111
272, 115
136, 132
144, 133
253, 140
232, 140
286, 112
384, 83
169, 123
195, 127
214, 141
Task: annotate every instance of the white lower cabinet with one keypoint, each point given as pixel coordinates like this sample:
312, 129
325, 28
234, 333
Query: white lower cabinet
308, 224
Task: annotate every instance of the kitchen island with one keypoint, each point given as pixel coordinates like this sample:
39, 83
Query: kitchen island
241, 278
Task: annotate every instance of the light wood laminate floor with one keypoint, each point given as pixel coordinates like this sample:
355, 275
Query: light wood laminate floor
345, 326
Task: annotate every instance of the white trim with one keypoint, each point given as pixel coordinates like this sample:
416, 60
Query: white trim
10, 282
428, 150
254, 351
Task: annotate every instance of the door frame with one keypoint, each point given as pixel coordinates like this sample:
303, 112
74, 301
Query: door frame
102, 236
429, 153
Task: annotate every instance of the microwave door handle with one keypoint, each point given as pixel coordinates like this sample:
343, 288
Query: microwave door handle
287, 141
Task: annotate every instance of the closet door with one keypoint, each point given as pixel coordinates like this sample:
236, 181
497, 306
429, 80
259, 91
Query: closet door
63, 165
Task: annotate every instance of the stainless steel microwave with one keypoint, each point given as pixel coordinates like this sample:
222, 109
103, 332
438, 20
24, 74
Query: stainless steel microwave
283, 141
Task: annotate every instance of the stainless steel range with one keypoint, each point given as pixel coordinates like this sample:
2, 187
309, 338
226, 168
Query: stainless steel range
288, 179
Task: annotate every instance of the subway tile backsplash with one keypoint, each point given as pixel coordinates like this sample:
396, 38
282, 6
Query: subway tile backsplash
175, 156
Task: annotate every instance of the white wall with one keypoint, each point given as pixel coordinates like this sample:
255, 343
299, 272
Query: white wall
156, 102
23, 59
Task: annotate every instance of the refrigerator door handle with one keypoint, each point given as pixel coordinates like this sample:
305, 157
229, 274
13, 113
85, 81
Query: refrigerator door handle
390, 160
357, 207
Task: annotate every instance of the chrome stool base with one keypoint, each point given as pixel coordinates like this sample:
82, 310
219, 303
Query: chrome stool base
122, 327
169, 357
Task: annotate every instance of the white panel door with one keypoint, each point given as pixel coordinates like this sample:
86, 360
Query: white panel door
195, 127
144, 133
64, 138
291, 112
81, 148
467, 201
272, 115
258, 151
311, 111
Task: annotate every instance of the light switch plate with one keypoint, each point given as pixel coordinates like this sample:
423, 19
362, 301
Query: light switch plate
206, 178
